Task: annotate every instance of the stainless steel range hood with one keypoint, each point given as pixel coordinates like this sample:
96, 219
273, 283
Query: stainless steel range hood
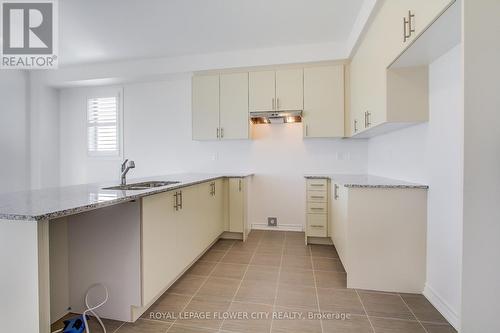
275, 117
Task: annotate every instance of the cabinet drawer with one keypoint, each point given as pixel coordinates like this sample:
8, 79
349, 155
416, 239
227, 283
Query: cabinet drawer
316, 208
317, 184
316, 196
316, 225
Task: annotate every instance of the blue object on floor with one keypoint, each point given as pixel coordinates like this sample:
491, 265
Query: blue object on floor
74, 325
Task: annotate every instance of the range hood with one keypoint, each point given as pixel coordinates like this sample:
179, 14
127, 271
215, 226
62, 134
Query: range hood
275, 117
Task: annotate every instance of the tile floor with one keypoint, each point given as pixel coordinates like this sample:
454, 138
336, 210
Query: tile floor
274, 283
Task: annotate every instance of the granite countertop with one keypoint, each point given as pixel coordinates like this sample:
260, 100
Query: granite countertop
368, 181
57, 202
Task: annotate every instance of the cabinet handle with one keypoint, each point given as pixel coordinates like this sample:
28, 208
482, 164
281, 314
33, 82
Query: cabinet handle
273, 103
317, 197
407, 22
307, 130
318, 185
239, 185
336, 192
368, 114
222, 132
176, 205
217, 132
316, 208
316, 226
180, 201
355, 126
214, 189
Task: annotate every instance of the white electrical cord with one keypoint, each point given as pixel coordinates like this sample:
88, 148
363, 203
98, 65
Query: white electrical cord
95, 307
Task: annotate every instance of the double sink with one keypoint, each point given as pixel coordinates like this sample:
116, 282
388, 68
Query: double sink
141, 186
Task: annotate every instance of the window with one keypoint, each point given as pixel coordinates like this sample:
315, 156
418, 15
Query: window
103, 126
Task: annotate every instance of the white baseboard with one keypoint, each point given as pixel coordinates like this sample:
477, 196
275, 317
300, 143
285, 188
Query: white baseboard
280, 227
442, 306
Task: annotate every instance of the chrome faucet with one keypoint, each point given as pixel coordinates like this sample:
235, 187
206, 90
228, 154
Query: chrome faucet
126, 166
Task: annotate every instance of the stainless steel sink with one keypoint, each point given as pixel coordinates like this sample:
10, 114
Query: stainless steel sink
141, 186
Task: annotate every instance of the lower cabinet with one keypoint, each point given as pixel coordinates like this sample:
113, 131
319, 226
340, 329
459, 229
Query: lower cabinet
380, 236
317, 207
177, 226
237, 205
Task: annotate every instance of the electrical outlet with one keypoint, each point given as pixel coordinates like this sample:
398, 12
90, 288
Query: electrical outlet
272, 221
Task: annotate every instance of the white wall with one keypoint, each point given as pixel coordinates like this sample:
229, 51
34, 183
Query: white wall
157, 117
14, 134
432, 153
481, 269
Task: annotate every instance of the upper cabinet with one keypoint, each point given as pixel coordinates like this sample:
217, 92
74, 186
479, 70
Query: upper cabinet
205, 106
279, 90
384, 99
234, 106
262, 94
323, 114
289, 89
220, 107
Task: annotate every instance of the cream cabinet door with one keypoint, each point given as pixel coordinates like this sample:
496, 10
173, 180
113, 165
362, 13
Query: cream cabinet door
425, 12
261, 91
190, 239
236, 204
323, 114
339, 221
234, 106
205, 107
290, 89
161, 262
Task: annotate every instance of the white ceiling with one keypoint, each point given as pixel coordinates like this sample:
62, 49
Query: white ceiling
108, 30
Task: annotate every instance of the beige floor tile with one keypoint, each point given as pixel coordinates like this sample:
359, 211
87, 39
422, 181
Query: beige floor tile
340, 301
167, 308
298, 325
248, 246
423, 309
266, 260
299, 277
202, 268
219, 288
229, 271
213, 256
249, 318
144, 326
223, 244
204, 312
297, 297
327, 264
352, 324
300, 262
385, 305
439, 328
256, 292
385, 325
262, 273
325, 251
238, 257
337, 280
275, 250
187, 284
179, 328
297, 251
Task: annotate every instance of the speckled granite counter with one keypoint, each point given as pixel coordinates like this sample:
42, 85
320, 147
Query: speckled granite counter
369, 181
57, 202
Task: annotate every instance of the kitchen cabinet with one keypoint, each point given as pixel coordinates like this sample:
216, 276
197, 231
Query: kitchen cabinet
237, 205
289, 89
323, 115
280, 90
380, 236
161, 262
317, 207
205, 107
234, 123
383, 100
262, 92
220, 107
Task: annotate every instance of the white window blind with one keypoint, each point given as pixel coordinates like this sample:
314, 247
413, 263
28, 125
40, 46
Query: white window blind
103, 126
